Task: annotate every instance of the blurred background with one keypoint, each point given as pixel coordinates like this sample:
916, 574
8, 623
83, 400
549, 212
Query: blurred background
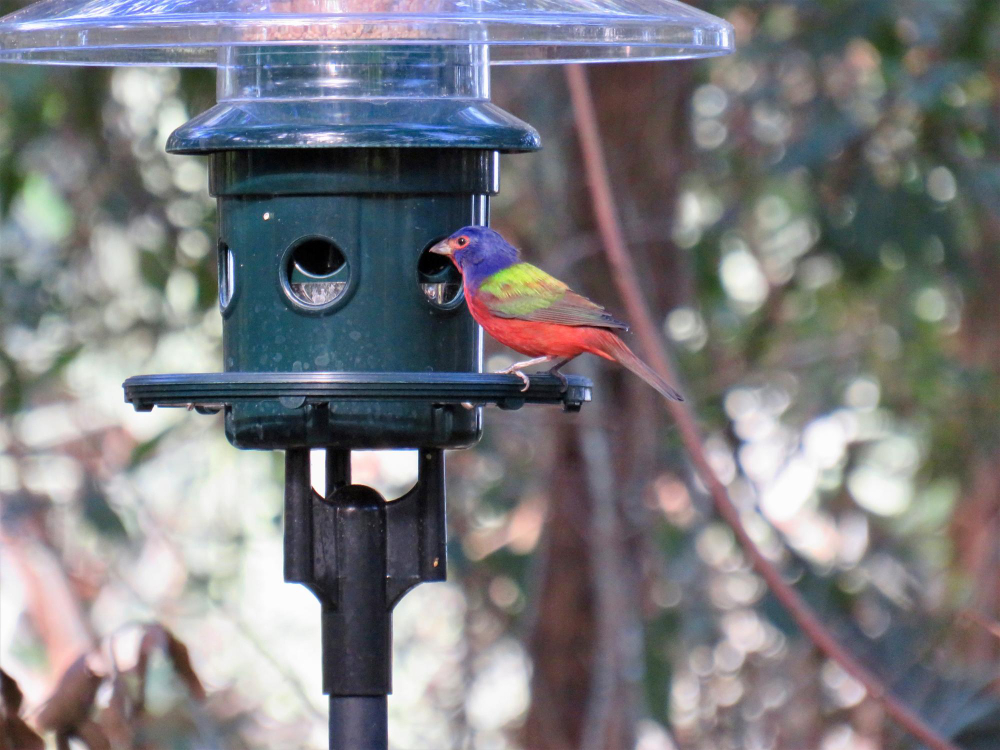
818, 222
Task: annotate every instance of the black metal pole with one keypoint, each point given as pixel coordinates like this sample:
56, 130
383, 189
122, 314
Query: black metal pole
357, 633
351, 584
358, 722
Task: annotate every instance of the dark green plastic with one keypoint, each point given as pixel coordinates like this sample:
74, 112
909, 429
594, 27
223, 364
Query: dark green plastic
335, 169
423, 123
382, 208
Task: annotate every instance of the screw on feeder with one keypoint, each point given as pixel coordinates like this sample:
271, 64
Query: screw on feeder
372, 136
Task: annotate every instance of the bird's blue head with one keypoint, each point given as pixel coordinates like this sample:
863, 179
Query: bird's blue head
479, 252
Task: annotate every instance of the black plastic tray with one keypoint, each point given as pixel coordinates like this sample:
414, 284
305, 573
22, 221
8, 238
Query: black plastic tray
210, 392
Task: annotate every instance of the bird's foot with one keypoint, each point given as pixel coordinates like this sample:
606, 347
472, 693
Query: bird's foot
518, 369
554, 371
515, 370
563, 380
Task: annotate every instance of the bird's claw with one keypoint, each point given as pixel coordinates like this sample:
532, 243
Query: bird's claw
517, 371
564, 382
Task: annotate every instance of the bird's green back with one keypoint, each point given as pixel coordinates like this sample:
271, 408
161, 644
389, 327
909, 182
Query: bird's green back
527, 292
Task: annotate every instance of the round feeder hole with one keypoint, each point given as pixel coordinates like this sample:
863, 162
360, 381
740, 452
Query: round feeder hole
439, 280
227, 275
314, 272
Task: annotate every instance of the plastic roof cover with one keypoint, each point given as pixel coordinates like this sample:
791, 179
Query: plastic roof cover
190, 32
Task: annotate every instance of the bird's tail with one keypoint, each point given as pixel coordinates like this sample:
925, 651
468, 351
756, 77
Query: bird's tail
610, 346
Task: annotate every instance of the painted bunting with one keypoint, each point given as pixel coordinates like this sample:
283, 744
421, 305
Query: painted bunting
534, 313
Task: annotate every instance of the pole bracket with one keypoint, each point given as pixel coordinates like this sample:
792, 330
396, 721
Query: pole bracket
359, 555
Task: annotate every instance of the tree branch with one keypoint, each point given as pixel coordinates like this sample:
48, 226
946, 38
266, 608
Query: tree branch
608, 682
627, 280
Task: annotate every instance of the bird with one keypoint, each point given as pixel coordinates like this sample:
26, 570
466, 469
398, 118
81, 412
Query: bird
534, 313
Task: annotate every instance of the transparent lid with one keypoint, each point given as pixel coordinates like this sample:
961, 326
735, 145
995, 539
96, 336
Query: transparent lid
190, 32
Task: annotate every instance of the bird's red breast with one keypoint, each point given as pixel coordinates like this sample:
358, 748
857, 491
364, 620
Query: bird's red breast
537, 339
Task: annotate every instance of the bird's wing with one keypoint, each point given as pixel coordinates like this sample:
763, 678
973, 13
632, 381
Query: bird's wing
526, 292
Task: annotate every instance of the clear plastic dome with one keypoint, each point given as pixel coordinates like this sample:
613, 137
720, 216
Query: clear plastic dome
191, 32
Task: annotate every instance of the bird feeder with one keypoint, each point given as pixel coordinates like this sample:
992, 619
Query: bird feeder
349, 137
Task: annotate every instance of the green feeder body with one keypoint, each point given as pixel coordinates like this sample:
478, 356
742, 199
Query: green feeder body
326, 274
324, 226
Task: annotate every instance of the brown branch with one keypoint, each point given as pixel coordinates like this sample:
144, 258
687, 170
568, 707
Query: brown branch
54, 608
602, 728
627, 280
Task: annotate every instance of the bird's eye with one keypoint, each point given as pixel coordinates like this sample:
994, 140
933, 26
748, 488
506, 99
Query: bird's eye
462, 241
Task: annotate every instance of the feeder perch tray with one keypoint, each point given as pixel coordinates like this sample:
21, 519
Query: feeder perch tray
211, 392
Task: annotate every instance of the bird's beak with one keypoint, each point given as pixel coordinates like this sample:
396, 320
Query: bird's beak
442, 248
